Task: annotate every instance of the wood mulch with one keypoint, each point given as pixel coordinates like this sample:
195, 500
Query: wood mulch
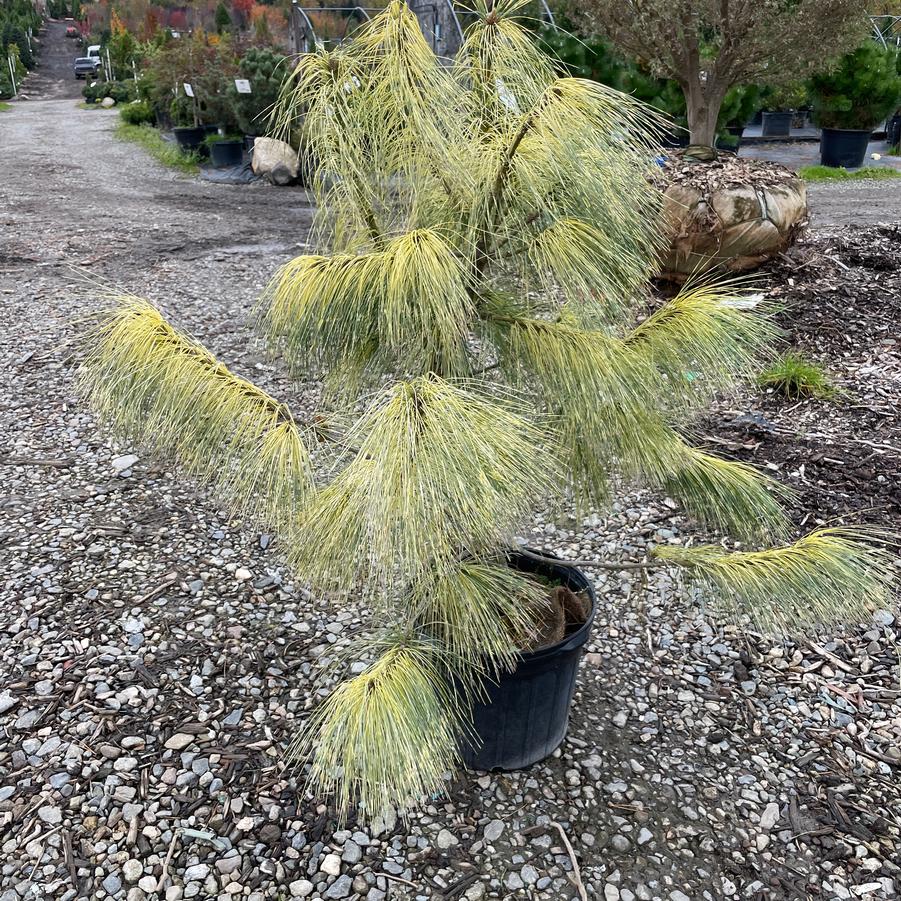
840, 294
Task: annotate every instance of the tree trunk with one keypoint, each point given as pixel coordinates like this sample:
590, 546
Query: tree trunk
702, 103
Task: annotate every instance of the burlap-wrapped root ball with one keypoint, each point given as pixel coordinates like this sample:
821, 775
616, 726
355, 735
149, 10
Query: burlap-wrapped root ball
729, 213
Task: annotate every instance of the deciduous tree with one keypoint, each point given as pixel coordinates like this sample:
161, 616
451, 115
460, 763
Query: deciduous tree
707, 46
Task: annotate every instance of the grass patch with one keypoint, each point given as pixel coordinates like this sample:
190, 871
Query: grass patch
152, 141
5, 106
795, 377
828, 173
84, 105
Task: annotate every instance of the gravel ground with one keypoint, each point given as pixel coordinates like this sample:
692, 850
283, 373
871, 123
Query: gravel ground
156, 657
855, 203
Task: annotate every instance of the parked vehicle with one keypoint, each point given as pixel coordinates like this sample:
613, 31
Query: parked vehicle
71, 32
85, 66
94, 52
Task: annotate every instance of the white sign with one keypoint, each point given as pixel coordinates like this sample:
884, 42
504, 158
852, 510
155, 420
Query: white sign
242, 85
189, 90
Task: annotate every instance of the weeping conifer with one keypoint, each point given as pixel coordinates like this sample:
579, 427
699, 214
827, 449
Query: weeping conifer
487, 231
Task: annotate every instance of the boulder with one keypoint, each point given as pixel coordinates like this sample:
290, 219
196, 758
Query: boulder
275, 161
729, 213
107, 102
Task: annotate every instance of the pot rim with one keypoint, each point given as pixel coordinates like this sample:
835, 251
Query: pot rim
857, 131
575, 639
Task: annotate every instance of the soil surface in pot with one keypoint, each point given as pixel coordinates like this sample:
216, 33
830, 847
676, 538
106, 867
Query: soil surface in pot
565, 612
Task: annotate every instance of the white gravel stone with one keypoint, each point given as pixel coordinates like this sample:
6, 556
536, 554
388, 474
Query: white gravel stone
331, 864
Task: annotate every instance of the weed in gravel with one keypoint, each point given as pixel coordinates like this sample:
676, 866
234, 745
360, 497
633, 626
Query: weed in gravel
828, 173
796, 377
161, 150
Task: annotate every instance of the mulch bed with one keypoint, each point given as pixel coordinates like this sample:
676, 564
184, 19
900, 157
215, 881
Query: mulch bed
727, 171
841, 297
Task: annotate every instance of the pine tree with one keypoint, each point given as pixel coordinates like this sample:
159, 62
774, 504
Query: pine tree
223, 18
474, 318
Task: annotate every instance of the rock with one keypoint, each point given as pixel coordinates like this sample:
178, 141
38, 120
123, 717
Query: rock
28, 719
179, 741
620, 843
446, 839
196, 873
513, 881
125, 462
731, 213
644, 836
228, 865
132, 870
352, 852
301, 888
7, 701
275, 161
50, 814
340, 888
107, 103
770, 816
331, 864
112, 884
493, 830
270, 833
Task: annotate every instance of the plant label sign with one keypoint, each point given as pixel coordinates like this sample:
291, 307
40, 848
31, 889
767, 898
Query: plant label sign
188, 89
242, 86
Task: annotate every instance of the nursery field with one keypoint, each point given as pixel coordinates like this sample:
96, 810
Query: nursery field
156, 657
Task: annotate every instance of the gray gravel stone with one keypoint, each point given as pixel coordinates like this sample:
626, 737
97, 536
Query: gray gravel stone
340, 888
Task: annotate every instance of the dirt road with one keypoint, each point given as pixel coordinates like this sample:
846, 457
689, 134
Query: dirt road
54, 77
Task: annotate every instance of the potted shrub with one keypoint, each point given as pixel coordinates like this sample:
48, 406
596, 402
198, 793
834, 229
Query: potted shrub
225, 150
780, 105
265, 69
188, 131
457, 401
851, 100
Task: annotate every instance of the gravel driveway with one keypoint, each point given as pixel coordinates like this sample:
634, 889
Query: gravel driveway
155, 657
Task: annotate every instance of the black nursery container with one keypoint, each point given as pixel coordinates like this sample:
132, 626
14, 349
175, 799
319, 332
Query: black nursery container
843, 147
525, 715
189, 138
893, 130
777, 125
227, 153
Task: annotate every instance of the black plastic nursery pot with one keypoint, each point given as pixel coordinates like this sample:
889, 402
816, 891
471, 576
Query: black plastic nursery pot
524, 717
893, 130
844, 147
777, 125
227, 153
189, 138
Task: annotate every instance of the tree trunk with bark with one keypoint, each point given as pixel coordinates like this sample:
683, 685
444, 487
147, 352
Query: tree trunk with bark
702, 104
